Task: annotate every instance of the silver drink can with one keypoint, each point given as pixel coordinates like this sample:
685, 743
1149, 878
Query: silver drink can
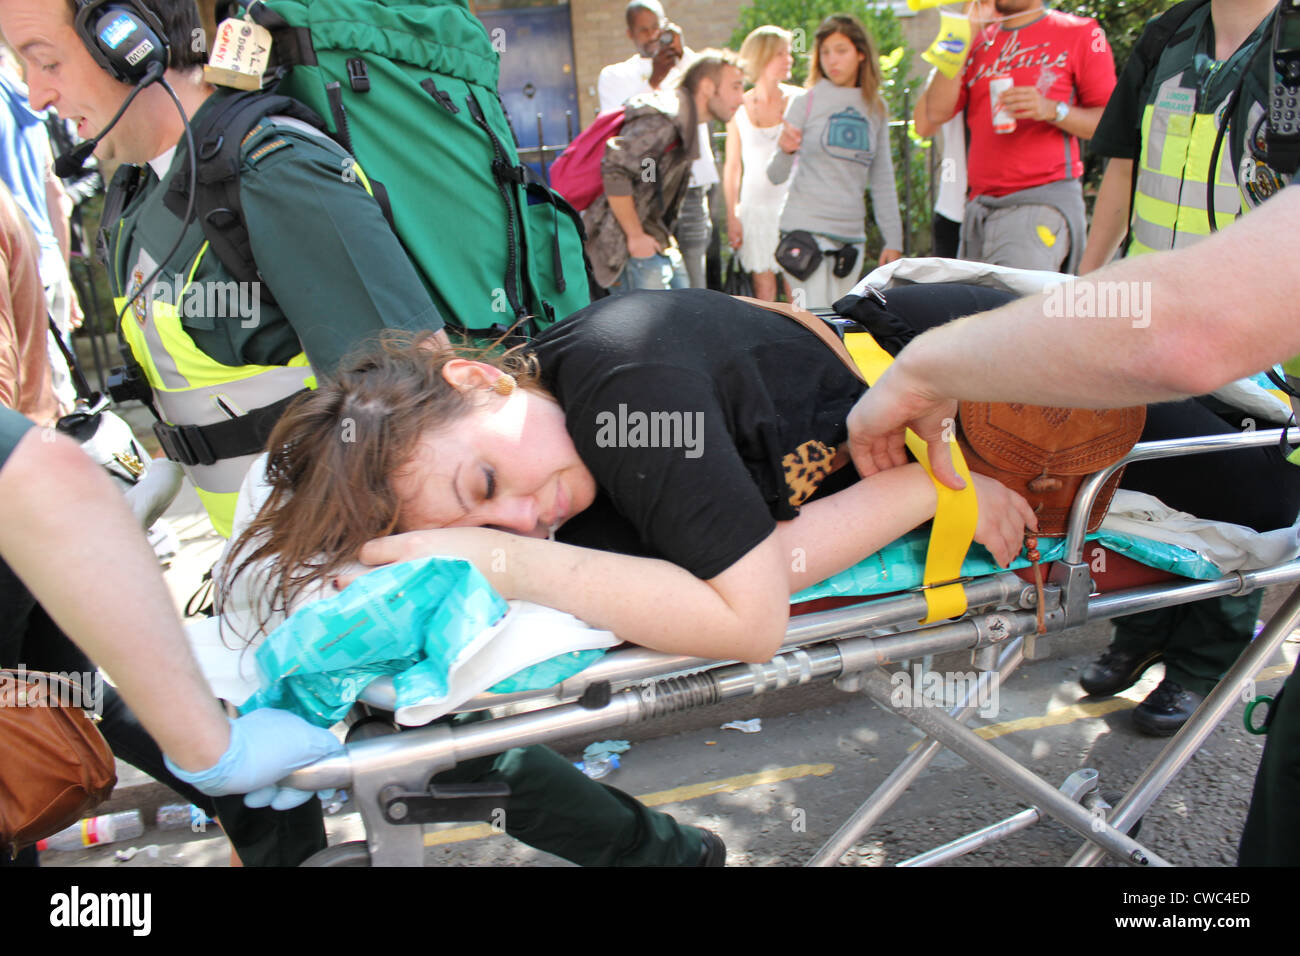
1003, 121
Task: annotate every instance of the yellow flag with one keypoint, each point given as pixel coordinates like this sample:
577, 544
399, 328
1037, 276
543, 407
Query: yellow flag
950, 48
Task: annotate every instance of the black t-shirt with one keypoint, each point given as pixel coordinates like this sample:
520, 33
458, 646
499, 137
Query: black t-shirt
705, 420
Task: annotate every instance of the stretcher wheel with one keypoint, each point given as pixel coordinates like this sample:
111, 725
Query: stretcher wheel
355, 853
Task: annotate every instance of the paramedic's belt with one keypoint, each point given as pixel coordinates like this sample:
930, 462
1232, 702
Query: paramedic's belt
1041, 452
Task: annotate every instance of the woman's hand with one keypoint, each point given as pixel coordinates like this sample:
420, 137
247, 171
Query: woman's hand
735, 233
889, 255
791, 138
1003, 518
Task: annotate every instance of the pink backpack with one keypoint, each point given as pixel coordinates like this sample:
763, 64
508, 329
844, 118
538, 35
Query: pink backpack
575, 175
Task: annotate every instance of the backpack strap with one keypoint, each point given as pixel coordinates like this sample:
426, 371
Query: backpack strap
507, 176
219, 140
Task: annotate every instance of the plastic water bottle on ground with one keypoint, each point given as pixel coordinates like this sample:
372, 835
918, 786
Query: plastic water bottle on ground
93, 831
181, 816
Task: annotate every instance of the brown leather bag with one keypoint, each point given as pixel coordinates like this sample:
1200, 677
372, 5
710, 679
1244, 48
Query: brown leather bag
1039, 451
1044, 453
56, 764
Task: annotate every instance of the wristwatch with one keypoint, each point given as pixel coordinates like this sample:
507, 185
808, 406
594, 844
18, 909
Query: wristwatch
1062, 111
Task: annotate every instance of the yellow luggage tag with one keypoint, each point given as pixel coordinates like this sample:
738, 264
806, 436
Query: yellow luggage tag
955, 516
950, 48
239, 55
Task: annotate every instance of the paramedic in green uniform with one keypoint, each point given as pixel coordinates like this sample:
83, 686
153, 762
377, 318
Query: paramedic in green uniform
216, 352
1162, 117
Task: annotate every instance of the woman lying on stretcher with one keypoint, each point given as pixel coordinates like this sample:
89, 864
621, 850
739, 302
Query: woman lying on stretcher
684, 452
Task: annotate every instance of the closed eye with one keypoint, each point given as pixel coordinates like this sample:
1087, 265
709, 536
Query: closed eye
490, 479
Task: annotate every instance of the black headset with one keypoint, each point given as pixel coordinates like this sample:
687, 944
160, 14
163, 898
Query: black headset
123, 36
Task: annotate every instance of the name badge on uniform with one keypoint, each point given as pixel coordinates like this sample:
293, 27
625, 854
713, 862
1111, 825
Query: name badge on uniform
239, 55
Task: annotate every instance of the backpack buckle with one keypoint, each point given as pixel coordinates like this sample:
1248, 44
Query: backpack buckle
357, 76
506, 173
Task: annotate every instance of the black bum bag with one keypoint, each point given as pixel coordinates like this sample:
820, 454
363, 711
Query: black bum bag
799, 255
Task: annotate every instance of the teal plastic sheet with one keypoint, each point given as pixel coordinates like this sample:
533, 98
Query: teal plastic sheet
900, 566
410, 621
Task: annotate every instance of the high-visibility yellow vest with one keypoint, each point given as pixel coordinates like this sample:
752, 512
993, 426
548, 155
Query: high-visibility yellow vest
1170, 209
190, 388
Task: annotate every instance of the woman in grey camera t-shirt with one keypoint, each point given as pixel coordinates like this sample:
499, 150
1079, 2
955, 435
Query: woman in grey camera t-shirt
839, 128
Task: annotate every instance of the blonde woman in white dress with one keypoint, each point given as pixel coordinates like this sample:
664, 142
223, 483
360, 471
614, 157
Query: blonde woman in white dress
753, 201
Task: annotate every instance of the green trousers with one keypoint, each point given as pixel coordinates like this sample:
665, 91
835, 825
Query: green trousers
1200, 641
554, 807
1272, 833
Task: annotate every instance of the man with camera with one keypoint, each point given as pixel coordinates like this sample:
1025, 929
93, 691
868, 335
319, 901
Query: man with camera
658, 64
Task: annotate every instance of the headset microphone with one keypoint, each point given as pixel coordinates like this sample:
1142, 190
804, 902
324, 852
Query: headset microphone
71, 163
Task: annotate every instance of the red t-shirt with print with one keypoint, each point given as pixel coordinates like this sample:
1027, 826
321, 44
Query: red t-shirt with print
1068, 59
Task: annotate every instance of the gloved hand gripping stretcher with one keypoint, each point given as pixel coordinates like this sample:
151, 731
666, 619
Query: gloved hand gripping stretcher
848, 644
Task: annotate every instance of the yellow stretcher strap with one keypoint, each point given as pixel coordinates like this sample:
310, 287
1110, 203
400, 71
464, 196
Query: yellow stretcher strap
955, 516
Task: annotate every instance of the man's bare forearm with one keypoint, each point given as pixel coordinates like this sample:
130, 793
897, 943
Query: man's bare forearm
939, 100
624, 209
1196, 320
1110, 216
1081, 121
121, 614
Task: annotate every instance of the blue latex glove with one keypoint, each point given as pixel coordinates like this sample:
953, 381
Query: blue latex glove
265, 746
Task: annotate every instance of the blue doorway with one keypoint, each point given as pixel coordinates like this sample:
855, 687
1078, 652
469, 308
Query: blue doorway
538, 87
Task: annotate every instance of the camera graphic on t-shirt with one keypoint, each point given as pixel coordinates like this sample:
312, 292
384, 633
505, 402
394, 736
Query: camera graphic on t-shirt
848, 136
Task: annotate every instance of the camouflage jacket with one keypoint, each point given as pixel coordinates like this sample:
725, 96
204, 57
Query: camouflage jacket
650, 160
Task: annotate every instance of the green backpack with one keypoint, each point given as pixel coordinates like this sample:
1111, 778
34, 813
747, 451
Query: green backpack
410, 90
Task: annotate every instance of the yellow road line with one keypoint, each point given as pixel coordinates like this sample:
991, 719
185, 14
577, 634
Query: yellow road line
676, 795
1097, 708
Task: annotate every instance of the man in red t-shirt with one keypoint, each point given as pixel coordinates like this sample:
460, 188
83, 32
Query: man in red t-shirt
1025, 205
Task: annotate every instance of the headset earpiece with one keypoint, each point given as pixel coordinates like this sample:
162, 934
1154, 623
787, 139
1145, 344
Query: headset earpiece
123, 36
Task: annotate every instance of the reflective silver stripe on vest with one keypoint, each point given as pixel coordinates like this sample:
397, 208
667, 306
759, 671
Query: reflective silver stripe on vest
1157, 237
198, 406
141, 313
1191, 195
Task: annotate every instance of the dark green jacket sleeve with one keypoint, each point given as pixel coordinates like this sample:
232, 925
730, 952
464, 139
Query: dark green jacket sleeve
321, 243
13, 427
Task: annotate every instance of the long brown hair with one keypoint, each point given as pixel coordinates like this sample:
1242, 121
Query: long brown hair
332, 457
868, 70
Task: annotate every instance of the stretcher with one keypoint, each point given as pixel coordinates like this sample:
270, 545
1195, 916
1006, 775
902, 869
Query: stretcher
848, 641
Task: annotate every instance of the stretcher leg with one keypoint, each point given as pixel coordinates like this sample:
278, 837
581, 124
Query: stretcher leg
962, 741
1202, 723
1080, 786
897, 783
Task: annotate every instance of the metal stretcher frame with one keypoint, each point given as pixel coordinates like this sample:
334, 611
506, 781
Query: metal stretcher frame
389, 775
